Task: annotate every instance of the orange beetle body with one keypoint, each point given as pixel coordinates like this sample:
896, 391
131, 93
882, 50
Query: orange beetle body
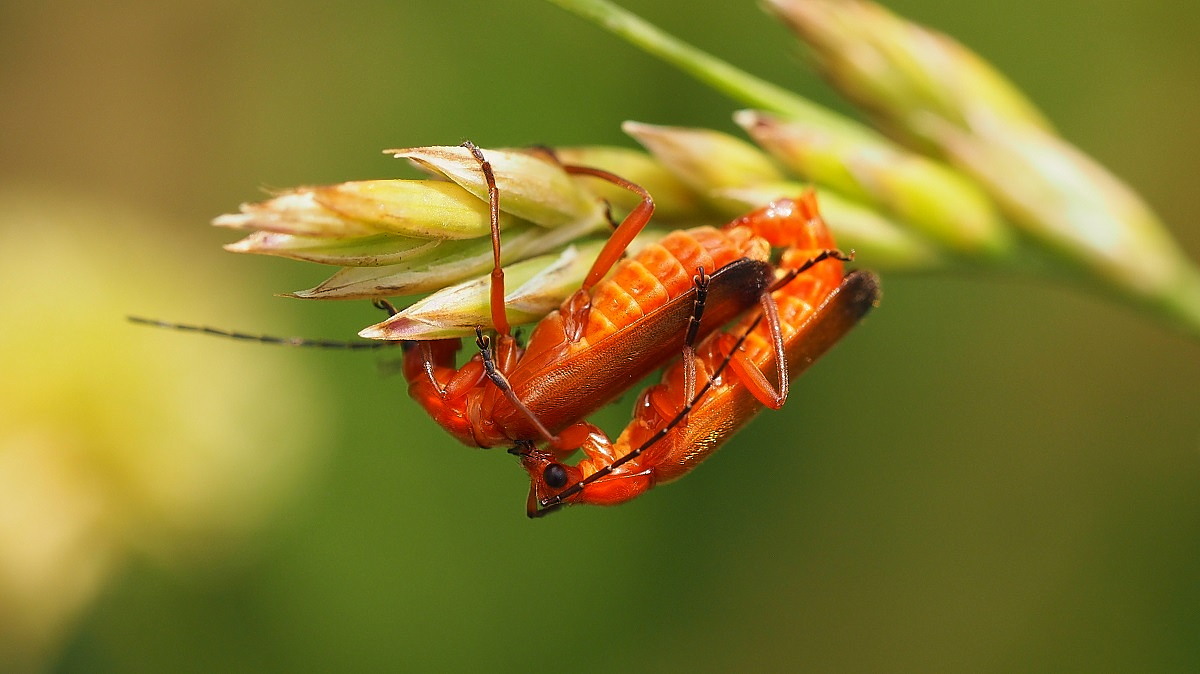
672, 432
596, 345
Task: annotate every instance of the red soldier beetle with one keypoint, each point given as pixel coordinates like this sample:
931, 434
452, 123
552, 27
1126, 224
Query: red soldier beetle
673, 429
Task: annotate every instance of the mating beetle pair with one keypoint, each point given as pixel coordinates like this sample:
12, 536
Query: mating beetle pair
663, 306
667, 301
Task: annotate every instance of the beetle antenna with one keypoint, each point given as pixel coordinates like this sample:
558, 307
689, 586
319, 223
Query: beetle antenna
828, 254
266, 339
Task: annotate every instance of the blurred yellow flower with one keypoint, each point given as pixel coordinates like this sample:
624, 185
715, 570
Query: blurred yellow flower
118, 441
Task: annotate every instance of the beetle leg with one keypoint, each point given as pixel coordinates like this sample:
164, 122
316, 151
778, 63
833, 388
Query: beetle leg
749, 372
575, 310
532, 509
499, 318
433, 362
492, 372
797, 261
495, 363
633, 223
573, 437
385, 306
701, 280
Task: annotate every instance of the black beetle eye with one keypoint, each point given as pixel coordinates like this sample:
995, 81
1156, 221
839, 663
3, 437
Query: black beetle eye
555, 476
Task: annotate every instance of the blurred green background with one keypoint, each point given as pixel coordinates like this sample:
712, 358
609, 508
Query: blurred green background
989, 475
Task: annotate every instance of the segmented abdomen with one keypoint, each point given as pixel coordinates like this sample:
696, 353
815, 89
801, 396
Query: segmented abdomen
662, 271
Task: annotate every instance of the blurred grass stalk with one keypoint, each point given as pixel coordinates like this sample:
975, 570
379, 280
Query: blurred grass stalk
976, 177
